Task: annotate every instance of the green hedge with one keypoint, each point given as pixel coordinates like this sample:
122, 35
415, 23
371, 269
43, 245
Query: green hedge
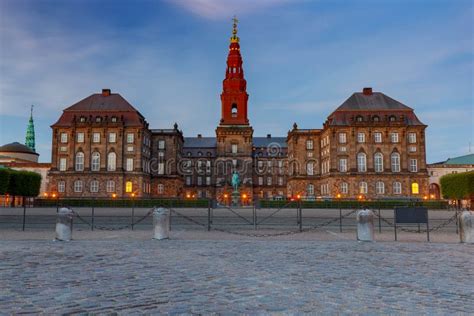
19, 183
201, 203
4, 181
458, 185
382, 204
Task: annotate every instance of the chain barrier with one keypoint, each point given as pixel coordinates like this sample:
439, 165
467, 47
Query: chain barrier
112, 228
285, 233
407, 230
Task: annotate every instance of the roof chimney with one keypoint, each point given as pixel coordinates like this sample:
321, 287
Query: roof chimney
269, 135
199, 136
105, 92
367, 91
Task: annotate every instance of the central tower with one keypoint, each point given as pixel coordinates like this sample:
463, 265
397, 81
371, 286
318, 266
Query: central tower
234, 133
234, 95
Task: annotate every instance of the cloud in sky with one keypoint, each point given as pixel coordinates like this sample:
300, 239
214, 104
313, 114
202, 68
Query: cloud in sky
301, 59
219, 9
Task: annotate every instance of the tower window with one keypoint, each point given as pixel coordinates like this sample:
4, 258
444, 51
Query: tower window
234, 110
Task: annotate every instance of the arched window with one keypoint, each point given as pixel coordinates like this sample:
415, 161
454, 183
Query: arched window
379, 187
234, 110
378, 162
95, 163
111, 161
397, 188
361, 162
395, 162
310, 168
363, 187
80, 161
414, 188
310, 189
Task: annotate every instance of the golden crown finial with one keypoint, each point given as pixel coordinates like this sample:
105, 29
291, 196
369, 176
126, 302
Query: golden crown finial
234, 38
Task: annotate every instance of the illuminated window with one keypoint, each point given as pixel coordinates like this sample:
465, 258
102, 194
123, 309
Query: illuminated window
414, 188
128, 186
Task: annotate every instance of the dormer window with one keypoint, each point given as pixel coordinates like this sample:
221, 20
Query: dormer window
234, 110
376, 118
82, 119
98, 119
114, 119
359, 118
392, 118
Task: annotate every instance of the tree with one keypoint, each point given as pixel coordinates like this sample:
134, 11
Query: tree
4, 181
458, 186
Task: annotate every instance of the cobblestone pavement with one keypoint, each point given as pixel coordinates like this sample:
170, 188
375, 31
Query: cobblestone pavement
235, 277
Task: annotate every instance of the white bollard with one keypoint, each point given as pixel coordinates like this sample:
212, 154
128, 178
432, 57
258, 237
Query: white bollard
63, 224
466, 227
365, 225
161, 222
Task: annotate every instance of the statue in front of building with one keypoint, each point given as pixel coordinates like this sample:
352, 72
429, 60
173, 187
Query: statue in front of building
235, 181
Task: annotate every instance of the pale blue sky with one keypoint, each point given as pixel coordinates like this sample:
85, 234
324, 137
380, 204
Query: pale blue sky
302, 59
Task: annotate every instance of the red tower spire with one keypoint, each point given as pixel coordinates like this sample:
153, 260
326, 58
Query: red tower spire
234, 95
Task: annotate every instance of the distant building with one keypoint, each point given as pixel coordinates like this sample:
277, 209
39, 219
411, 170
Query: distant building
371, 146
452, 165
17, 156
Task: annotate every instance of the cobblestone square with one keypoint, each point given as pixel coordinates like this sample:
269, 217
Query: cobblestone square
235, 277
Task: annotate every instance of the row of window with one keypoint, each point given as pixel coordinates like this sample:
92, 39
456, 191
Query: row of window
394, 138
95, 162
96, 137
280, 181
94, 186
98, 119
363, 188
378, 163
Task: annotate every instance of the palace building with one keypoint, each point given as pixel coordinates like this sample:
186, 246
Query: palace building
371, 146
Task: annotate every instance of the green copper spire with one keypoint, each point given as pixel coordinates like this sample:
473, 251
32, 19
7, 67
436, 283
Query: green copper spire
30, 132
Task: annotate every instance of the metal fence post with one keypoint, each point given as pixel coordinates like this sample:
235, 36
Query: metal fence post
133, 213
301, 217
208, 215
93, 211
380, 222
340, 220
24, 216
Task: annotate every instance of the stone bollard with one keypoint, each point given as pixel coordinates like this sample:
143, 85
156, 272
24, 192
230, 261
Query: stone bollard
63, 224
466, 227
161, 223
365, 225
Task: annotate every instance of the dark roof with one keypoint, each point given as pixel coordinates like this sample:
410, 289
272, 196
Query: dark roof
102, 105
17, 148
266, 141
98, 102
199, 142
375, 101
